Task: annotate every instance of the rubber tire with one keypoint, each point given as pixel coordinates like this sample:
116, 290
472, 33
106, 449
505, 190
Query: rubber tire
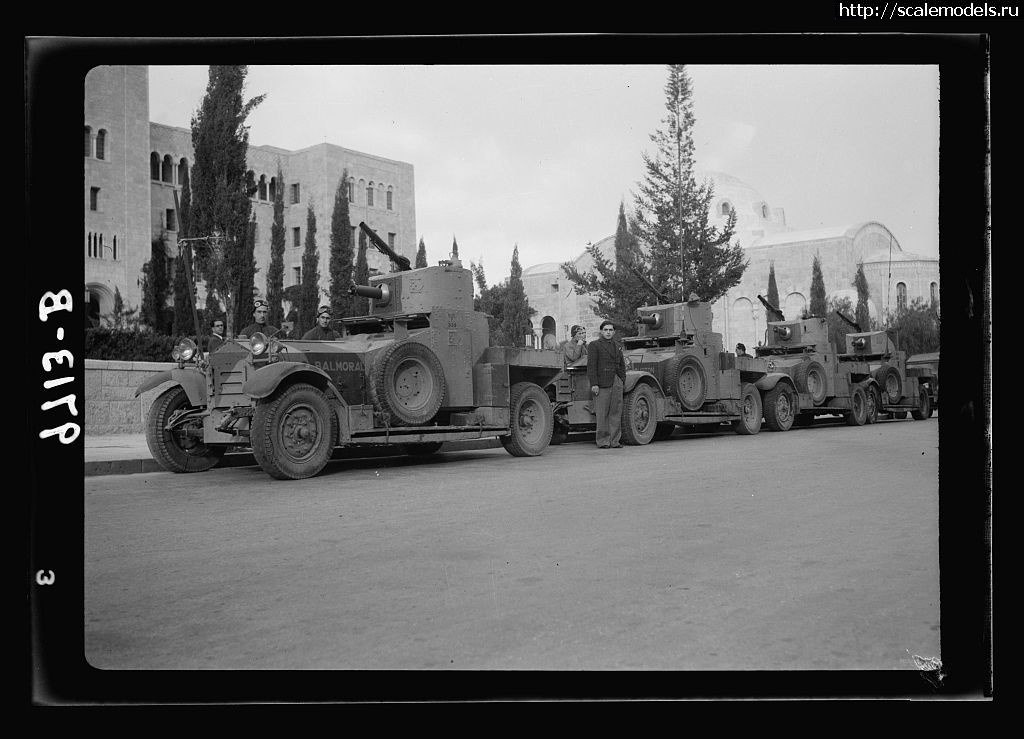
857, 415
663, 431
531, 421
924, 409
890, 383
690, 367
639, 408
166, 447
874, 398
780, 418
268, 442
802, 377
419, 366
422, 449
803, 420
750, 422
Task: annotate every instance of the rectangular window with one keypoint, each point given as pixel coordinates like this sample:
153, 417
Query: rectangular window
391, 241
172, 224
390, 200
297, 275
369, 196
94, 198
351, 189
296, 237
295, 193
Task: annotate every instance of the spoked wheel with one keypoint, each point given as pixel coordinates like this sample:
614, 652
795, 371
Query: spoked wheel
639, 410
874, 399
924, 405
750, 421
292, 433
180, 449
780, 407
530, 419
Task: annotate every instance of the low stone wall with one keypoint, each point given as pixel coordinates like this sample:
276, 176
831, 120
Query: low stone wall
110, 405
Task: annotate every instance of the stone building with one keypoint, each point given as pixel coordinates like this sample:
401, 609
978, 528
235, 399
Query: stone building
134, 166
895, 277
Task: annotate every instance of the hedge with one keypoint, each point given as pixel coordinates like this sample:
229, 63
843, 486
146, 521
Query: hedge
129, 346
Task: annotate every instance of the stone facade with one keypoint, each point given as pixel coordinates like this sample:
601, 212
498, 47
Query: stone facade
893, 275
143, 164
110, 405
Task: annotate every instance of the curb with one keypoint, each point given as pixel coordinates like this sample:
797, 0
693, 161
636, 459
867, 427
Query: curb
246, 459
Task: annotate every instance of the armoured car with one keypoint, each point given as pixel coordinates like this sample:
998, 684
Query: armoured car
414, 372
677, 375
805, 377
896, 386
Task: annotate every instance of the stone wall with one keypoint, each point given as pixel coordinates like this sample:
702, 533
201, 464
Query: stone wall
110, 405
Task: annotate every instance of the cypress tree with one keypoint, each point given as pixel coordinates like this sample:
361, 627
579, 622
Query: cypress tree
275, 270
773, 289
182, 318
155, 286
819, 304
309, 295
421, 255
860, 282
455, 248
340, 264
221, 188
515, 319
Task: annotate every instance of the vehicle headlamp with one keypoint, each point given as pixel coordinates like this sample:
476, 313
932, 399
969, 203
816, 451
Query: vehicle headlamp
185, 351
258, 344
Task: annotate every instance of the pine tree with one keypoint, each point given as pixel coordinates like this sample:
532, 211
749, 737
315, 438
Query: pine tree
421, 255
221, 188
361, 305
275, 270
309, 295
672, 212
340, 264
819, 304
860, 281
773, 289
617, 291
915, 328
515, 318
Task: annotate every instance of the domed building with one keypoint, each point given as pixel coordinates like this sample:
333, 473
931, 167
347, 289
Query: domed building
895, 277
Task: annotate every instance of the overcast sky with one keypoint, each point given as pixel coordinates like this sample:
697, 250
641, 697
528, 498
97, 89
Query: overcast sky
541, 156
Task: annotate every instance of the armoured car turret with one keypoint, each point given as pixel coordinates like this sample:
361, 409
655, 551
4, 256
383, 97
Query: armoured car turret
416, 371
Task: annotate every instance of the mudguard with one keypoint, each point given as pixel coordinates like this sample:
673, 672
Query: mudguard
770, 380
266, 380
190, 378
634, 376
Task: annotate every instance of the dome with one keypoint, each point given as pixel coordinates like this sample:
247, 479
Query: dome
539, 269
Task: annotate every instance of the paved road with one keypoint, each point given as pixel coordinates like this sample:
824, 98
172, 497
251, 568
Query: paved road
813, 549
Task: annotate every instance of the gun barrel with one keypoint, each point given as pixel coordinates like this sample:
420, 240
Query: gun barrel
775, 313
366, 291
401, 262
853, 324
647, 320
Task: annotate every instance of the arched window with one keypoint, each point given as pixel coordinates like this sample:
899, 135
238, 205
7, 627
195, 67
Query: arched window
273, 188
263, 187
795, 306
154, 166
182, 171
369, 194
391, 198
167, 171
726, 208
101, 144
362, 186
88, 141
764, 210
380, 195
351, 189
901, 296
549, 338
934, 292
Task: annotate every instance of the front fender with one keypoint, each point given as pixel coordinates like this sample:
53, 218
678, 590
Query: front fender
265, 380
634, 376
772, 379
191, 379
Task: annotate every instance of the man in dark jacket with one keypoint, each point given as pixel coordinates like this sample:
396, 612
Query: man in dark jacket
322, 331
260, 311
606, 371
216, 337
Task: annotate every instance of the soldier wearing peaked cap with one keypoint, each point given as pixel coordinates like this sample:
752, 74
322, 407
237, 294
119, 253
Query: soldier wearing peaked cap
322, 331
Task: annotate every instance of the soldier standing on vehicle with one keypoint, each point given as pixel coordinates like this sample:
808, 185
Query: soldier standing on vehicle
260, 311
216, 337
322, 331
575, 348
606, 370
741, 351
